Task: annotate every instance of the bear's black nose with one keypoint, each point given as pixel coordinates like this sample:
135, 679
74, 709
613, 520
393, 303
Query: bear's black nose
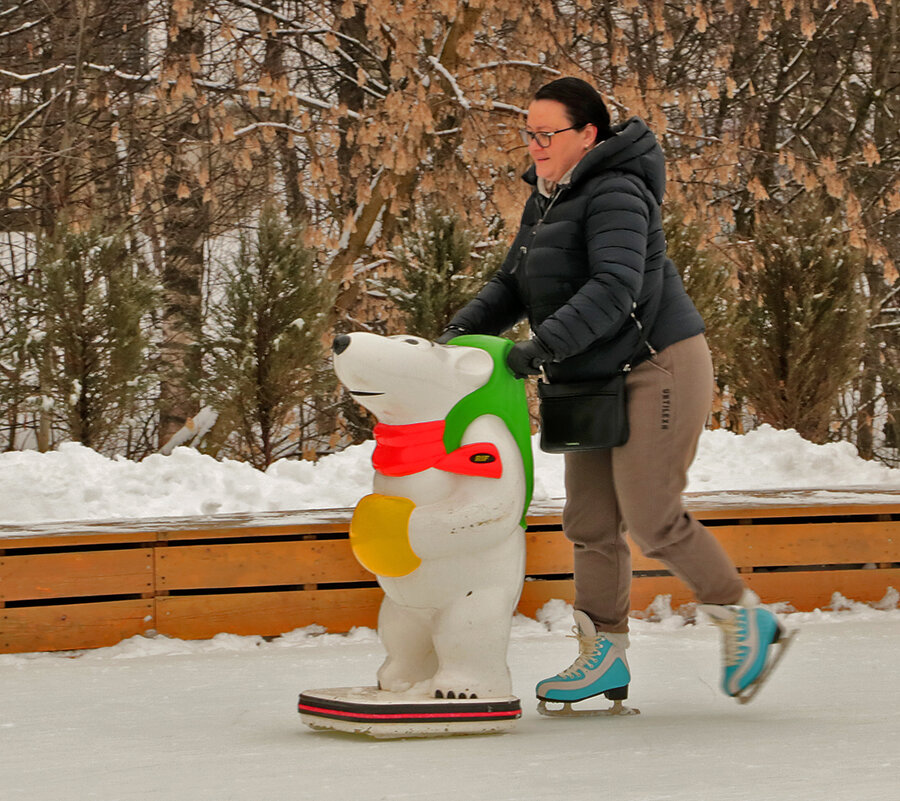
340, 343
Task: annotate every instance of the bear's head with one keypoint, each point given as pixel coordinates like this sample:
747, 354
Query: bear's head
406, 379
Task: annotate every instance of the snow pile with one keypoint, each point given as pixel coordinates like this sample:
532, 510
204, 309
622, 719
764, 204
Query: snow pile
141, 647
75, 483
770, 459
552, 621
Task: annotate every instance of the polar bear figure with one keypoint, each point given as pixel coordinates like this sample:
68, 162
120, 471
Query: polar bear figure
443, 530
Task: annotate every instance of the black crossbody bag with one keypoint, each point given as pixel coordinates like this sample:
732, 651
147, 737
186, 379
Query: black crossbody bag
587, 415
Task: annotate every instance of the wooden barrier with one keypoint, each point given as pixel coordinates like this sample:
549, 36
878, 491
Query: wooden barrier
72, 586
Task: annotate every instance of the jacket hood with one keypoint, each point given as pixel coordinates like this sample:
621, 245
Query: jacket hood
633, 149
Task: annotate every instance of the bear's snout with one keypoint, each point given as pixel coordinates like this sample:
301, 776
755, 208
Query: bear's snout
340, 344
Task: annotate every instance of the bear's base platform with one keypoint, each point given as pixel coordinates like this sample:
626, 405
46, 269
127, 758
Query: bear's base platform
386, 715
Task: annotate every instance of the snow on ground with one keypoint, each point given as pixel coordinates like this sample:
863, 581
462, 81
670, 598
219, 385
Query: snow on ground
169, 720
75, 483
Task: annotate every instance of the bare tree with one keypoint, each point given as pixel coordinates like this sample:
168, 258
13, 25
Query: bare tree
174, 121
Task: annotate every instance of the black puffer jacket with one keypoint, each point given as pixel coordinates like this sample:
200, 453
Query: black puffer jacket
583, 259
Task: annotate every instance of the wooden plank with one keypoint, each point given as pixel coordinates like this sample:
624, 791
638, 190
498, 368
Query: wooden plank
707, 506
645, 589
812, 543
550, 553
710, 514
808, 590
222, 532
710, 505
70, 575
194, 617
547, 553
803, 590
536, 593
758, 545
89, 532
275, 562
786, 545
73, 626
64, 539
758, 504
254, 524
546, 514
257, 564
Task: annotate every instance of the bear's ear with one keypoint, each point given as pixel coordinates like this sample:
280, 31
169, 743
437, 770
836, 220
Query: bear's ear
473, 363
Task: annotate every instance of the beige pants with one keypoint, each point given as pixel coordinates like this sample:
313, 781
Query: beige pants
637, 488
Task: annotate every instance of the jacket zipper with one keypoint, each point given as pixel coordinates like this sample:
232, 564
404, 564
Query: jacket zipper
523, 249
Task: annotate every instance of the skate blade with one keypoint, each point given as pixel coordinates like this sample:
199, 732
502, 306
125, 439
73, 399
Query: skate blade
567, 711
780, 648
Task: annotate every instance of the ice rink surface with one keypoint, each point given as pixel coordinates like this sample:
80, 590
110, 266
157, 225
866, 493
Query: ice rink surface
216, 720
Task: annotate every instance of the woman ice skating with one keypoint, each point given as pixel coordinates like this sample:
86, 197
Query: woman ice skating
589, 269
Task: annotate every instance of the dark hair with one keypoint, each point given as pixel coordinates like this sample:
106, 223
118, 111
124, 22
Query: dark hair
583, 103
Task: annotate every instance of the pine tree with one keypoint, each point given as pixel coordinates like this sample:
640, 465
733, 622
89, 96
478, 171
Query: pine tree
16, 327
710, 280
440, 271
264, 351
94, 363
799, 345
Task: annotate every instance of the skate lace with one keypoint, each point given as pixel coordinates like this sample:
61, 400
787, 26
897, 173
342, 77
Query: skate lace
587, 651
730, 629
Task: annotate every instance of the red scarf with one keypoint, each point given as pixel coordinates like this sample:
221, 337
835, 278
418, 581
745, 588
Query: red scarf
404, 450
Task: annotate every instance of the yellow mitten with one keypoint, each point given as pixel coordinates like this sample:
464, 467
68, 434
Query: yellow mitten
379, 535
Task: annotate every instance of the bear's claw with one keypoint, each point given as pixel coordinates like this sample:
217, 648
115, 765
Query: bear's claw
454, 695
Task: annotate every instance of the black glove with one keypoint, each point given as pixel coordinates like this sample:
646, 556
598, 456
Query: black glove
449, 332
526, 358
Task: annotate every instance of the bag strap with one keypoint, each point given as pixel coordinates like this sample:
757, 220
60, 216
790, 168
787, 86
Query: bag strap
626, 368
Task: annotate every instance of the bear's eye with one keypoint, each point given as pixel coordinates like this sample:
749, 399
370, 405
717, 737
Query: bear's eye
410, 340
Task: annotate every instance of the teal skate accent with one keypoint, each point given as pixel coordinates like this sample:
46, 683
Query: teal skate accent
588, 677
756, 629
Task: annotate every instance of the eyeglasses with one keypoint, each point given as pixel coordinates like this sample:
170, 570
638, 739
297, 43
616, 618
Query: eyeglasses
544, 138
